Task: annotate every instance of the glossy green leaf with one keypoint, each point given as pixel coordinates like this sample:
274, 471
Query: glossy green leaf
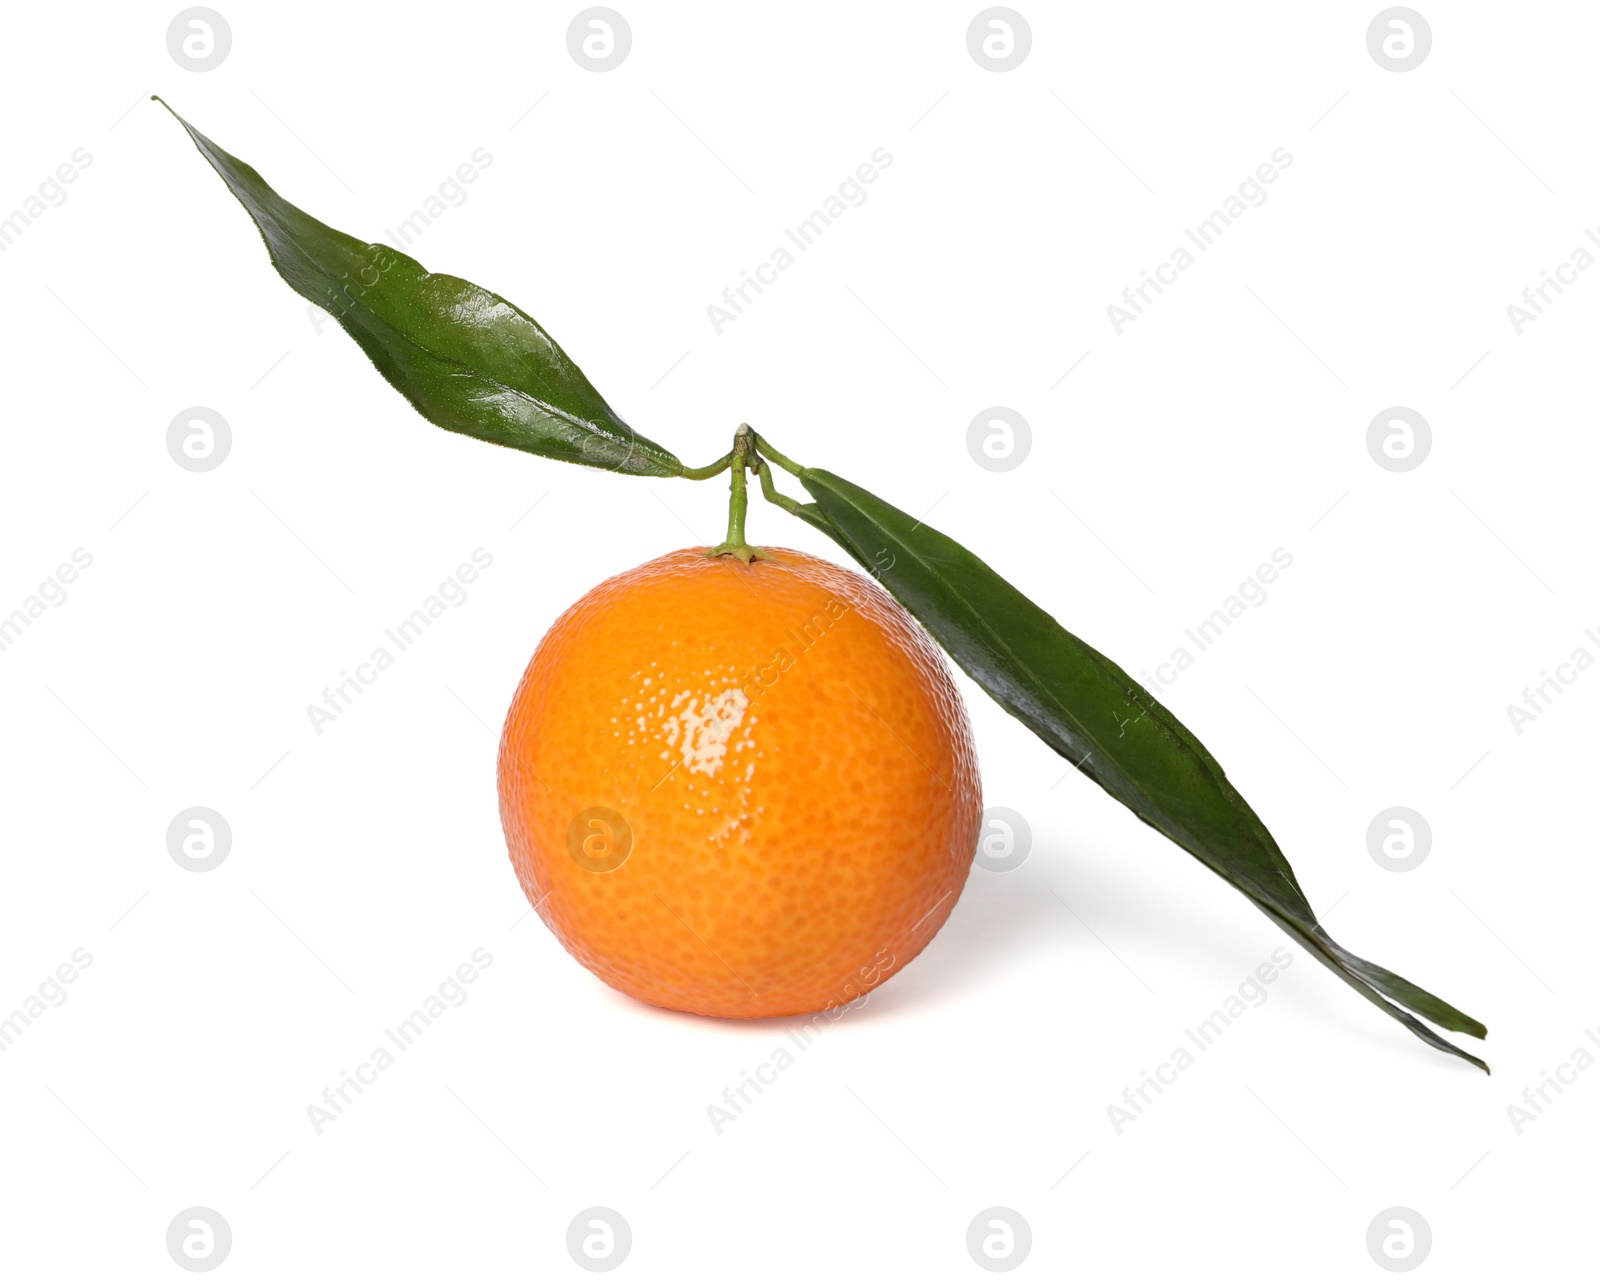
1104, 723
466, 359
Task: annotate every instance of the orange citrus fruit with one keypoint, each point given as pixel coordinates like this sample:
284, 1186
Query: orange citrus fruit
741, 790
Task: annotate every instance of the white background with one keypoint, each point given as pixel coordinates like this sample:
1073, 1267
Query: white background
1229, 420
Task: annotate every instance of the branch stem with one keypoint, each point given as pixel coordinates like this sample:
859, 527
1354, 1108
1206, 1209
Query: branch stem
764, 447
740, 460
713, 469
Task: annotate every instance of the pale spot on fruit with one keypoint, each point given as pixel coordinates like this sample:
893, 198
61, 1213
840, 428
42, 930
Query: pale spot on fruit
705, 731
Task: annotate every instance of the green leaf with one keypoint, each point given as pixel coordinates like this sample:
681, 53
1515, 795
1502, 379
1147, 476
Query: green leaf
465, 358
1102, 721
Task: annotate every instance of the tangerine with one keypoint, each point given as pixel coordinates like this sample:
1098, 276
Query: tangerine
740, 790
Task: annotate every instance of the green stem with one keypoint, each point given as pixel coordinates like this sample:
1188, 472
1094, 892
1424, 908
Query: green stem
767, 451
738, 504
738, 500
705, 473
810, 512
769, 491
750, 453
